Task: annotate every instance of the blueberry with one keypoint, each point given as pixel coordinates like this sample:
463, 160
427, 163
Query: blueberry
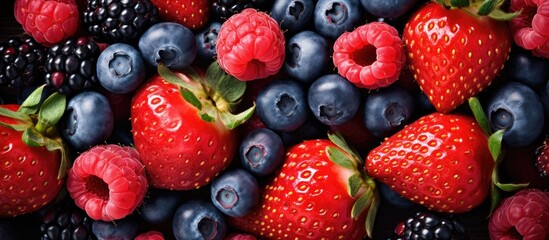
388, 110
307, 56
282, 106
88, 120
7, 230
170, 43
334, 17
388, 8
198, 219
235, 192
393, 197
293, 15
261, 151
525, 68
516, 108
160, 206
333, 100
123, 229
120, 68
206, 41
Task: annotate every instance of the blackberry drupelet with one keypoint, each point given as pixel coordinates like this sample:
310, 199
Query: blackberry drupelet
70, 65
119, 20
429, 226
224, 9
65, 221
22, 62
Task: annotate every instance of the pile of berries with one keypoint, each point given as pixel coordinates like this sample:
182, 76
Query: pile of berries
286, 119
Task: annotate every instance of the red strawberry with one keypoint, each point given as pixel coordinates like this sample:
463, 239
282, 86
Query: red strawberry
441, 161
48, 21
182, 126
193, 14
33, 161
317, 194
453, 53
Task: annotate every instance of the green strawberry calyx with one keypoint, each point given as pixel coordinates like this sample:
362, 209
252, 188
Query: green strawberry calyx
38, 120
216, 95
495, 146
359, 184
490, 8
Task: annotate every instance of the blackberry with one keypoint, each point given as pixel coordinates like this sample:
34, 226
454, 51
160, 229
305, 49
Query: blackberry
22, 62
224, 9
119, 20
70, 65
429, 226
65, 221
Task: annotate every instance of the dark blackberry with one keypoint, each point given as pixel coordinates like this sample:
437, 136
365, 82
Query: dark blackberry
70, 65
65, 221
224, 9
119, 20
429, 226
22, 62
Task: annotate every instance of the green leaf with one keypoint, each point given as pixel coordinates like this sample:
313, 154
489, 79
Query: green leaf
480, 116
208, 113
511, 187
17, 127
459, 3
32, 102
14, 115
500, 15
354, 184
170, 77
443, 3
371, 216
51, 111
495, 197
33, 138
232, 121
339, 140
361, 204
494, 145
190, 98
340, 158
58, 145
227, 86
487, 7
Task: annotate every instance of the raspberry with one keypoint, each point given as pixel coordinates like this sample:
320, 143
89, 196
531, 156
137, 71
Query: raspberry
150, 235
542, 158
107, 181
529, 29
371, 56
250, 45
522, 216
48, 22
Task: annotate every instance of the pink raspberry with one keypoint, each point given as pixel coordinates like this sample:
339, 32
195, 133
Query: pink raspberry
530, 27
371, 56
250, 45
150, 235
48, 21
107, 181
525, 215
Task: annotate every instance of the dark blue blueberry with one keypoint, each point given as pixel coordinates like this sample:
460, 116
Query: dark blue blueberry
88, 120
123, 229
206, 41
170, 43
523, 67
388, 110
120, 68
261, 151
282, 105
543, 94
235, 192
334, 17
516, 108
307, 56
388, 8
333, 100
393, 197
159, 206
7, 231
197, 220
293, 15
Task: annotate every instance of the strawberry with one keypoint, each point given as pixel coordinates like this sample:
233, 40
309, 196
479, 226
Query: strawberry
319, 193
182, 126
441, 161
33, 160
455, 54
193, 14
